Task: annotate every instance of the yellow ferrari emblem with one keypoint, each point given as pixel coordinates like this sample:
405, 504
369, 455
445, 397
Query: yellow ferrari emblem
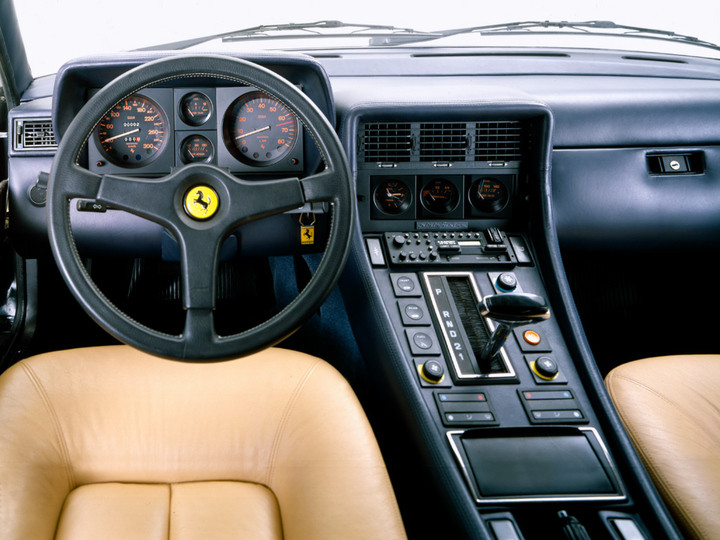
201, 202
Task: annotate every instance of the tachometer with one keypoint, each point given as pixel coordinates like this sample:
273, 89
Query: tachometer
134, 132
259, 130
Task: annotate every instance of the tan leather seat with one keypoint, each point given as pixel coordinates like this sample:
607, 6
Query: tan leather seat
671, 409
113, 443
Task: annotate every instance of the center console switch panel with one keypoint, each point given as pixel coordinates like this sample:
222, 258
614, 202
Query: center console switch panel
488, 247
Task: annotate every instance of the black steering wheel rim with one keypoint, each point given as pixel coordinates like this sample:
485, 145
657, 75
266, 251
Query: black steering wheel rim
199, 341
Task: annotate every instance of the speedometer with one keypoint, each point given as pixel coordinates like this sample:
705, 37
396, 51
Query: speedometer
133, 132
259, 130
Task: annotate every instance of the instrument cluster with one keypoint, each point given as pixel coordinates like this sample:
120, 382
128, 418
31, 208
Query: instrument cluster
237, 128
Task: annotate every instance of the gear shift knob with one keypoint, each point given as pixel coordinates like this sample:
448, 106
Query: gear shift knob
509, 310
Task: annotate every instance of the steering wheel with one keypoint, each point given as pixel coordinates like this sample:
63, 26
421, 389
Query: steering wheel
161, 200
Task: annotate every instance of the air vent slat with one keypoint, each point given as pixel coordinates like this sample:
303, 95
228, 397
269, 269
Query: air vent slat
395, 142
498, 141
33, 134
443, 142
389, 142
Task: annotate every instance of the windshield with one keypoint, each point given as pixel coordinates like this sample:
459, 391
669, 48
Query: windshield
58, 30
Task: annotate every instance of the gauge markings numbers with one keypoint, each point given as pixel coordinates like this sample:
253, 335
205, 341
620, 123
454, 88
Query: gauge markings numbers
259, 130
133, 132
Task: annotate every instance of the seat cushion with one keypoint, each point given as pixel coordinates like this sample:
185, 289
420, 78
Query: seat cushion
87, 421
217, 510
671, 409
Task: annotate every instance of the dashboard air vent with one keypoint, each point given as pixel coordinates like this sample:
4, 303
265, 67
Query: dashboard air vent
498, 141
33, 134
389, 142
443, 142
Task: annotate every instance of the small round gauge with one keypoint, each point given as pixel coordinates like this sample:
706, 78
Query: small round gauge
195, 108
440, 196
133, 132
259, 130
196, 149
392, 197
488, 195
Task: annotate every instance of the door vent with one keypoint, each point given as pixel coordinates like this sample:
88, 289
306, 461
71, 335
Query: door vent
498, 141
443, 142
386, 142
33, 134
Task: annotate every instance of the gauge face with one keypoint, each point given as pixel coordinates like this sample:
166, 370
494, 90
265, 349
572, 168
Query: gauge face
259, 130
196, 149
195, 108
440, 196
392, 197
133, 133
488, 195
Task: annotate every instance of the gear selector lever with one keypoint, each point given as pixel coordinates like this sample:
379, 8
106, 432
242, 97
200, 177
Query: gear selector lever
509, 311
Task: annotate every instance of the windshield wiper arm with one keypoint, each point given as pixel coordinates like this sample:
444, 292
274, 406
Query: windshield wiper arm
599, 28
312, 28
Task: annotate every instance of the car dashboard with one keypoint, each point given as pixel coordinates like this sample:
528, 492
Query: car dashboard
554, 173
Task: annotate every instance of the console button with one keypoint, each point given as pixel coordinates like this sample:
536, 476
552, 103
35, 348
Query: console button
422, 342
375, 251
507, 282
558, 416
468, 418
405, 285
546, 367
432, 371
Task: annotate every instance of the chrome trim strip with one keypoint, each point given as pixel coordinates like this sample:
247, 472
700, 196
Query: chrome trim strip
509, 370
612, 470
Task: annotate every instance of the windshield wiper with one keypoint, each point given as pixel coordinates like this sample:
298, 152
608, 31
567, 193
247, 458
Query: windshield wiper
597, 28
305, 30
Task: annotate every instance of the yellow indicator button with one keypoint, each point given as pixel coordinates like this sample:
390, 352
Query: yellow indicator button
533, 338
201, 202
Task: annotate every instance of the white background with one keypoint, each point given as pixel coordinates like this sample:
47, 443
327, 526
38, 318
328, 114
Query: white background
63, 29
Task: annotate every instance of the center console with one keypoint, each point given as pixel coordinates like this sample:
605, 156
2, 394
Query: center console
454, 211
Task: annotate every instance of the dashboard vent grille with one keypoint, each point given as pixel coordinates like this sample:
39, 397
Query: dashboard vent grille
386, 142
443, 142
498, 141
33, 134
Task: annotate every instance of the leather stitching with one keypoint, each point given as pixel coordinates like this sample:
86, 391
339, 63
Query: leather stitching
684, 512
65, 453
284, 420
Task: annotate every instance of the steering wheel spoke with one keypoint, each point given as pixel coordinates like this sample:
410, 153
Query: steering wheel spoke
146, 197
258, 199
321, 187
199, 332
198, 267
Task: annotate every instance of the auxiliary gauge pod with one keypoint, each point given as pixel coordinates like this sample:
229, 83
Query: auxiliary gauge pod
508, 310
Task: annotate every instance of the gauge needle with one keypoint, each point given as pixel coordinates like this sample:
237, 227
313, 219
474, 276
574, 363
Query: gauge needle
253, 132
122, 134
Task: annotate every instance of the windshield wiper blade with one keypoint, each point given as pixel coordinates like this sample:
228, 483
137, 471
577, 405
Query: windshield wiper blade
598, 28
311, 29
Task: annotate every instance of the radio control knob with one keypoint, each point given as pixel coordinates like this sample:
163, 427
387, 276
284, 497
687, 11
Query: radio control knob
399, 240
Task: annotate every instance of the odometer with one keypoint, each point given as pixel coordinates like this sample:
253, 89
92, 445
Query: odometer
133, 132
259, 130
